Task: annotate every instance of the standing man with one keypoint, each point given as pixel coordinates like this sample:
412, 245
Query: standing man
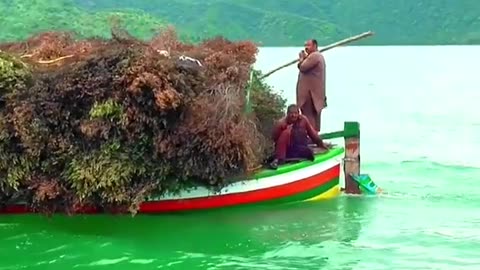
311, 83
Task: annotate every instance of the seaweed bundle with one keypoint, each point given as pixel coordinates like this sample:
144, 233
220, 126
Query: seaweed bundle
105, 123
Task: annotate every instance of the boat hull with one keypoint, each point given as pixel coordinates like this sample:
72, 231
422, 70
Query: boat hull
293, 183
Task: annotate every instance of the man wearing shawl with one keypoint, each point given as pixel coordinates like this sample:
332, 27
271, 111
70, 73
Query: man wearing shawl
291, 135
311, 83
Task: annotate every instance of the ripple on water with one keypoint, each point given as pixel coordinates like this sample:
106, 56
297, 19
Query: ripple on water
142, 261
104, 262
62, 247
457, 234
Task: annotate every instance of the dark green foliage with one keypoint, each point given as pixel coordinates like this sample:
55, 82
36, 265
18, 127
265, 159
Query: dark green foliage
14, 74
267, 105
119, 121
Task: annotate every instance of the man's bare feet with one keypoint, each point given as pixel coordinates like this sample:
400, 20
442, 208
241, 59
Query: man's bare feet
329, 145
319, 150
273, 165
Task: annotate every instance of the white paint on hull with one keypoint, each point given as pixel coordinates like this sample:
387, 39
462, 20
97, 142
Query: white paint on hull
256, 184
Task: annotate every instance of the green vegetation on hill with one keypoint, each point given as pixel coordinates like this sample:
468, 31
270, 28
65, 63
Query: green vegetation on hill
269, 22
20, 19
288, 23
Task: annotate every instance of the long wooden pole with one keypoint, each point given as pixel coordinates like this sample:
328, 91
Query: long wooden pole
326, 48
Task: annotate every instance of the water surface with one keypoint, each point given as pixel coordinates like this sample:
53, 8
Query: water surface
420, 124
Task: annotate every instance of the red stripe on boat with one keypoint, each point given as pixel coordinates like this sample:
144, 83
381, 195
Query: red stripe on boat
255, 196
15, 209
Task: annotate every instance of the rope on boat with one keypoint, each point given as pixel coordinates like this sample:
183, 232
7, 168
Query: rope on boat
188, 58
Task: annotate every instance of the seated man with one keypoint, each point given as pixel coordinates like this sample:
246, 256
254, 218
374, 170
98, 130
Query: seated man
291, 136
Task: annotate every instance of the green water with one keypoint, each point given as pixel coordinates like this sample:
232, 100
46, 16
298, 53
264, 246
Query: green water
418, 109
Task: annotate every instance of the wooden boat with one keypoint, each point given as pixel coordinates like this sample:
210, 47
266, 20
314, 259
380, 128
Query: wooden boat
290, 183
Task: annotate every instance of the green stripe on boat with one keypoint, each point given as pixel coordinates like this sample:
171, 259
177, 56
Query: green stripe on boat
319, 158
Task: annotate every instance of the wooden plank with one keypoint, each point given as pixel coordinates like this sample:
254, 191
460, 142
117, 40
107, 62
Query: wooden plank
352, 156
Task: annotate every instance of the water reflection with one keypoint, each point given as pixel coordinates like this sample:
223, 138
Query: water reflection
240, 237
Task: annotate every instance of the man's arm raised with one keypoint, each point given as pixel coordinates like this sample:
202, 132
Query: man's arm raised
309, 62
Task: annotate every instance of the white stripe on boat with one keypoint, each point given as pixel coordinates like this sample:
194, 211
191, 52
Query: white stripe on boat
263, 183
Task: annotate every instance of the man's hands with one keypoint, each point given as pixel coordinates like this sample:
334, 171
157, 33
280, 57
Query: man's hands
287, 126
302, 55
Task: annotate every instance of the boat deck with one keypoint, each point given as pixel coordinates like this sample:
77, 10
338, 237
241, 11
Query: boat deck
289, 167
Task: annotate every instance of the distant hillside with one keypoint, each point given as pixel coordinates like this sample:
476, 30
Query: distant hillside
22, 18
288, 23
271, 22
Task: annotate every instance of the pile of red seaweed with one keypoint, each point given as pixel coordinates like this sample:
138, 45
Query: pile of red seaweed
107, 122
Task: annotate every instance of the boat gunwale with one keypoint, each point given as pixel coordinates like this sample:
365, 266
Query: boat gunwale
319, 158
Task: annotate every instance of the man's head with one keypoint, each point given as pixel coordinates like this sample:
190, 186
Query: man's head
292, 113
311, 45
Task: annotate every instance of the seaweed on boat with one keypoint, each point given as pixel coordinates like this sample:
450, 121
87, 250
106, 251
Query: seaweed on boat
107, 122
